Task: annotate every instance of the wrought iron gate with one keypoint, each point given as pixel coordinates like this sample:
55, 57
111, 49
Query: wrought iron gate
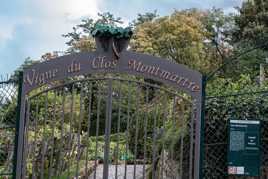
68, 134
92, 115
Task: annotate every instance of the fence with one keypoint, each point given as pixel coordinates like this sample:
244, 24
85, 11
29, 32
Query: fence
249, 106
246, 106
8, 103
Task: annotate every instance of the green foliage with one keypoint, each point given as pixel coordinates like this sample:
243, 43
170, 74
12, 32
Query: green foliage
252, 26
226, 86
143, 18
199, 39
250, 31
108, 18
248, 63
113, 147
104, 30
187, 37
248, 106
7, 113
81, 39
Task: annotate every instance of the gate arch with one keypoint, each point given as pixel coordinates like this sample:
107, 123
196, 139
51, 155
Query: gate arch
171, 80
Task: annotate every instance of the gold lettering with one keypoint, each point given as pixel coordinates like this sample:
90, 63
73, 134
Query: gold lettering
29, 79
185, 83
107, 64
74, 67
151, 69
94, 64
42, 78
157, 70
138, 67
165, 74
180, 80
191, 84
102, 60
132, 64
143, 68
54, 72
174, 77
77, 67
36, 78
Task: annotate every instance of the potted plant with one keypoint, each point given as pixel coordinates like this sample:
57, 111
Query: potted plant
111, 38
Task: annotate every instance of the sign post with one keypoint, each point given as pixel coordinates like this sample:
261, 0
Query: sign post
244, 148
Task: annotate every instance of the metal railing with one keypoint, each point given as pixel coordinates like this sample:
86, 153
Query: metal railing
245, 106
8, 104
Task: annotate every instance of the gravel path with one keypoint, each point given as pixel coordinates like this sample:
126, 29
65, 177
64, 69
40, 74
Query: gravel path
120, 172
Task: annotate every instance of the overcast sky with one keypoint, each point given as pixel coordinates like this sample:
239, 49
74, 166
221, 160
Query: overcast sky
30, 28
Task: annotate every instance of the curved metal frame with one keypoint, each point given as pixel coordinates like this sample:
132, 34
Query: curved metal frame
189, 102
161, 70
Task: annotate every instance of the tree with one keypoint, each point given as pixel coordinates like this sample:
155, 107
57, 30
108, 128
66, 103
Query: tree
219, 26
81, 40
250, 31
147, 17
251, 22
183, 36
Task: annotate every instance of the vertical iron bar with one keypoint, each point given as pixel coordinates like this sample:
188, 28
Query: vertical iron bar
200, 128
182, 142
97, 131
154, 143
191, 144
108, 123
165, 106
43, 138
173, 113
53, 123
137, 128
35, 138
61, 161
127, 131
25, 144
118, 131
79, 130
173, 125
70, 131
16, 160
88, 127
145, 133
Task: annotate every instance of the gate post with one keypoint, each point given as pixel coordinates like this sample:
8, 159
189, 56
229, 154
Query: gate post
202, 127
16, 139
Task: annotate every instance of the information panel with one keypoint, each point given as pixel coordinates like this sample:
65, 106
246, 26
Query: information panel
244, 148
